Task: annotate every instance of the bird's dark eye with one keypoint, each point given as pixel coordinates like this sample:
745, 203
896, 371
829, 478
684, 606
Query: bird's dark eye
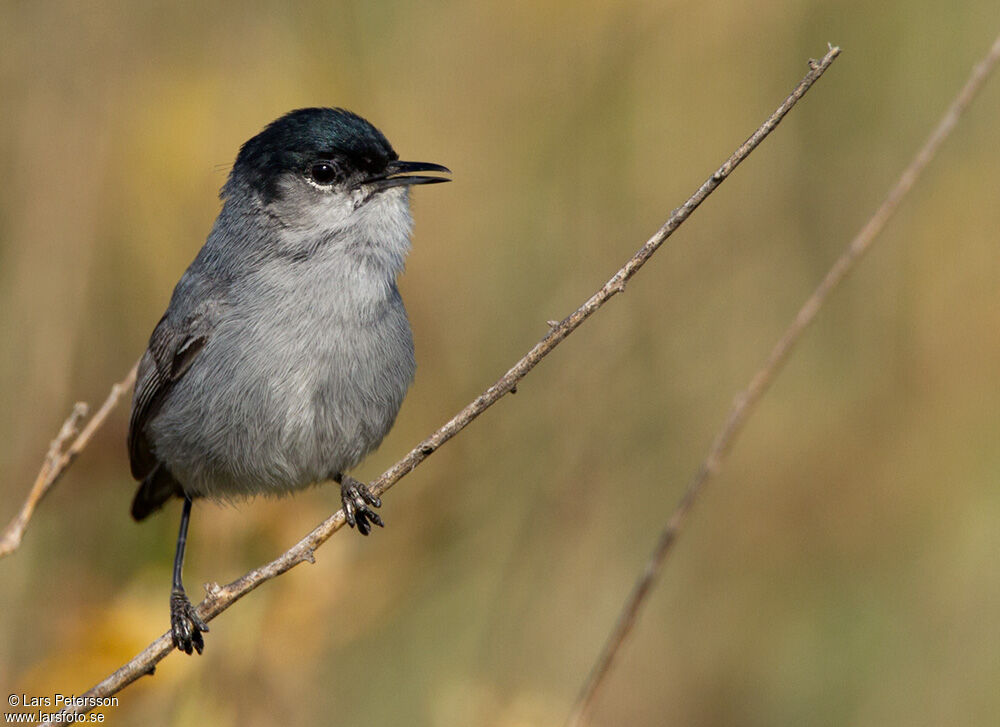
323, 172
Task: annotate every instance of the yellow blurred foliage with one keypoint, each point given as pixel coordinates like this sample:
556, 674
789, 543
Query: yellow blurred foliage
843, 568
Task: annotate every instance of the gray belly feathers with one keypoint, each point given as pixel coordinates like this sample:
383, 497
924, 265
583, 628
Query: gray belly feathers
285, 395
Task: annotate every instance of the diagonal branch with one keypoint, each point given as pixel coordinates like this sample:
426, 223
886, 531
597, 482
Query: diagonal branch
219, 598
59, 458
746, 401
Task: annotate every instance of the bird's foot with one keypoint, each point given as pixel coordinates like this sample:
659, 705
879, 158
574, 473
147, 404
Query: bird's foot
186, 627
358, 503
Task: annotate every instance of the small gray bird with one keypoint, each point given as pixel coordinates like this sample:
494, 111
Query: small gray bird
285, 352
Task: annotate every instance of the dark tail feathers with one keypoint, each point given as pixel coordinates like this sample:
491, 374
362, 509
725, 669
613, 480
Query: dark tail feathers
158, 487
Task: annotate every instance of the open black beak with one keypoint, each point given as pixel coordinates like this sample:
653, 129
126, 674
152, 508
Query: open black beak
400, 174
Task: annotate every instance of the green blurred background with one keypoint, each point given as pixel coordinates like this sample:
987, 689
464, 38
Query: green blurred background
843, 569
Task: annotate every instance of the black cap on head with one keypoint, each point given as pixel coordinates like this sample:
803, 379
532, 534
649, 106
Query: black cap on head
299, 137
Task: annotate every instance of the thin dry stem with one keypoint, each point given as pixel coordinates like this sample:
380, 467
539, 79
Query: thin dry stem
59, 458
219, 598
747, 400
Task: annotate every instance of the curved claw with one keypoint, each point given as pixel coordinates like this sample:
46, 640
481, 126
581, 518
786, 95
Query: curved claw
358, 502
186, 627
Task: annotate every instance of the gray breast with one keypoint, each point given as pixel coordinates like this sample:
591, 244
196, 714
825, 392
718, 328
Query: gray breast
302, 377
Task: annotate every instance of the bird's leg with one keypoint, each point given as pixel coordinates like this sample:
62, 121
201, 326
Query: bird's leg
358, 503
185, 625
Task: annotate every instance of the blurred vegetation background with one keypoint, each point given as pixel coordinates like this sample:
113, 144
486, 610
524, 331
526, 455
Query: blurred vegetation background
842, 570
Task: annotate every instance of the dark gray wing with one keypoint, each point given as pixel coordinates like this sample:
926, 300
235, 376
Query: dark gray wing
171, 352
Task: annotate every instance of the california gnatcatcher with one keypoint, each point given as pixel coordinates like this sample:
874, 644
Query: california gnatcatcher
285, 352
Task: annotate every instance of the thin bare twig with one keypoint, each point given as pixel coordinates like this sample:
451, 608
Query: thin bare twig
219, 598
746, 401
59, 458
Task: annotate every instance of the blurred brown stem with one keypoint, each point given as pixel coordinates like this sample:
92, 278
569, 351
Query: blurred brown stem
219, 598
59, 458
746, 401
